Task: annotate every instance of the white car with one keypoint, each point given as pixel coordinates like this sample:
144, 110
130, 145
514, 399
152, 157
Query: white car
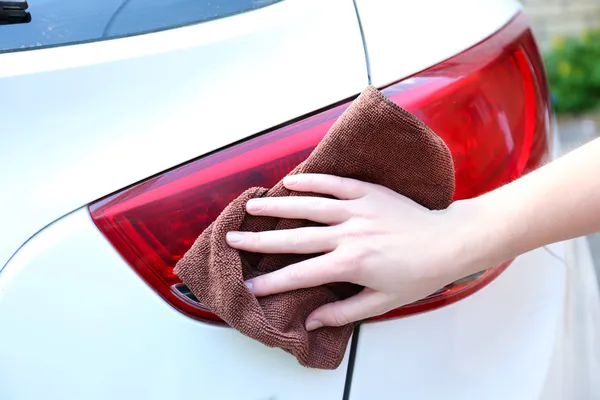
126, 126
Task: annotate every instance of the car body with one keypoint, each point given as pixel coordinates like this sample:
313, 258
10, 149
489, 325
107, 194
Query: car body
83, 118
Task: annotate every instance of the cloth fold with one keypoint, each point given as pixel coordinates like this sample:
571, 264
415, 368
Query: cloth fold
375, 141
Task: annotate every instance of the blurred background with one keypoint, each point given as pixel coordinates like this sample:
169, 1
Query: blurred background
569, 33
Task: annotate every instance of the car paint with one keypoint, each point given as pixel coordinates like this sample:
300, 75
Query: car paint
496, 344
78, 323
79, 122
82, 121
532, 333
403, 38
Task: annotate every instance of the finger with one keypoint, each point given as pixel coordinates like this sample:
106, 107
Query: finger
342, 188
367, 303
317, 209
308, 240
310, 273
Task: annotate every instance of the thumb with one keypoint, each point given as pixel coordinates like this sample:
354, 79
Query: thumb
367, 303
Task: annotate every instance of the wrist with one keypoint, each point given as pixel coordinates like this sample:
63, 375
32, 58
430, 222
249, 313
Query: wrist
484, 236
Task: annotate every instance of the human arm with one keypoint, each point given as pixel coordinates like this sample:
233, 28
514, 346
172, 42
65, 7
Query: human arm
402, 252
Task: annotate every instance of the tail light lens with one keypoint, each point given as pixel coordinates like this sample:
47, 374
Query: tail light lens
489, 104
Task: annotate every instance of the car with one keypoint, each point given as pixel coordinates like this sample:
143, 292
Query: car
126, 126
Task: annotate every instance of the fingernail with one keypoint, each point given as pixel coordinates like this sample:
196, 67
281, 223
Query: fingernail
249, 284
290, 181
255, 205
234, 237
313, 324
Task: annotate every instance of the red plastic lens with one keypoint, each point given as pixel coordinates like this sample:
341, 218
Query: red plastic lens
489, 104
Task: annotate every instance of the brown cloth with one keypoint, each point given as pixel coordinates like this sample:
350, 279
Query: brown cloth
374, 140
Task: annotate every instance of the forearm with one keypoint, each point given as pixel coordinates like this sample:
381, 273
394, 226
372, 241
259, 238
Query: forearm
559, 201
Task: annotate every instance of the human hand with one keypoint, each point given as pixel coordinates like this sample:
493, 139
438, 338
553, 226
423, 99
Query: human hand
398, 250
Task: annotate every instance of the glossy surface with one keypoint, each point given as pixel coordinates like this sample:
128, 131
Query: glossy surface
80, 122
496, 344
405, 37
535, 336
60, 22
72, 308
154, 223
488, 105
78, 323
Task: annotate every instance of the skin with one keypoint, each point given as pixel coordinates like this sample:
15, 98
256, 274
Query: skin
399, 251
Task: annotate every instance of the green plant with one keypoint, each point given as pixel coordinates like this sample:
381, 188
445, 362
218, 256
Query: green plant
573, 67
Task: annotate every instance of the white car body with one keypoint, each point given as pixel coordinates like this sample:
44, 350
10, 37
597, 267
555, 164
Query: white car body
78, 122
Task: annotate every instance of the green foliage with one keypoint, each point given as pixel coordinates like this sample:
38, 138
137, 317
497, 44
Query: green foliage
573, 67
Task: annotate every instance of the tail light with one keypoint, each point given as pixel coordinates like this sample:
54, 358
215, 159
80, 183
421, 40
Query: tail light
489, 104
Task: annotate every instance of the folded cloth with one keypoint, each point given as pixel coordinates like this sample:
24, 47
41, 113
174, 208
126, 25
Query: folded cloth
375, 141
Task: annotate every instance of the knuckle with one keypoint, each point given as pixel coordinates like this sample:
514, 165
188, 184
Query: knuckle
353, 230
353, 260
270, 282
255, 239
348, 206
265, 207
338, 180
295, 239
308, 181
316, 204
356, 209
355, 186
264, 281
296, 274
344, 184
339, 318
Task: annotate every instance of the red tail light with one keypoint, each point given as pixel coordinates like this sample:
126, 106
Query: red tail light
489, 104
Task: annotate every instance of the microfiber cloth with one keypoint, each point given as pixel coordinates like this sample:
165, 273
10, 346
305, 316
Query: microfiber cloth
375, 141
